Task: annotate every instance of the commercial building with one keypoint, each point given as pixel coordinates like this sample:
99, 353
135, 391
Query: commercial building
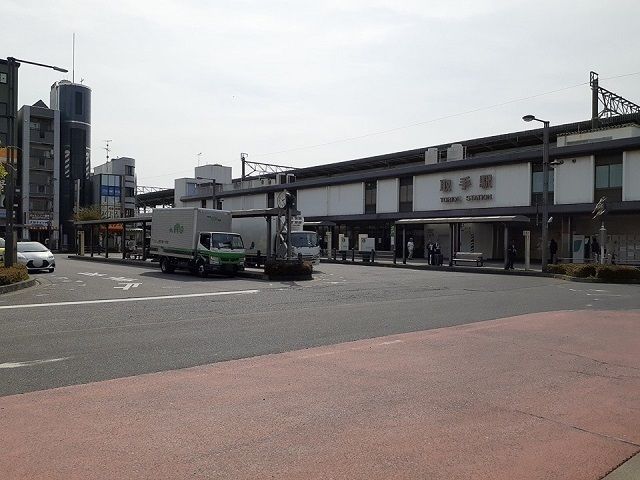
73, 100
473, 195
114, 187
39, 173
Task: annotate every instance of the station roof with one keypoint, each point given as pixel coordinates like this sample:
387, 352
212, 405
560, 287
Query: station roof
486, 219
493, 144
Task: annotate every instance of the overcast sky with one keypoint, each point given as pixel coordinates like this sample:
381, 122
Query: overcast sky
174, 78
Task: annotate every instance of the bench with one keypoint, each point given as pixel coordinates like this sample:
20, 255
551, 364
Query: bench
468, 257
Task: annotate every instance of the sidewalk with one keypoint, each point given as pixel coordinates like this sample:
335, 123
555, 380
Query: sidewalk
491, 267
552, 395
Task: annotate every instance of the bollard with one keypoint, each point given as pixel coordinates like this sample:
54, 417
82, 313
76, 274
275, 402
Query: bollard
373, 256
353, 255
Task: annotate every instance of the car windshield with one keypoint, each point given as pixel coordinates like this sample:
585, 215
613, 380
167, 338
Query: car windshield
304, 239
226, 240
31, 247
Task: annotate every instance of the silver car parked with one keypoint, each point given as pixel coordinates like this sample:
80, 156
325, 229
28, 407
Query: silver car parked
36, 256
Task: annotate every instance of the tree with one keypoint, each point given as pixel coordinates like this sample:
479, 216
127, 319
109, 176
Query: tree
93, 212
3, 174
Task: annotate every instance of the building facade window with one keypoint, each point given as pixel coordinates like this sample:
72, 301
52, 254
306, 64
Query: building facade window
129, 192
271, 200
128, 170
370, 191
405, 194
537, 185
608, 177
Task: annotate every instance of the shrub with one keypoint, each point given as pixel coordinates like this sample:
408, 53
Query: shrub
591, 270
283, 268
15, 274
618, 273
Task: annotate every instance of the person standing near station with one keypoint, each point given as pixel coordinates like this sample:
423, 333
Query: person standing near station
595, 249
553, 250
410, 247
511, 256
430, 253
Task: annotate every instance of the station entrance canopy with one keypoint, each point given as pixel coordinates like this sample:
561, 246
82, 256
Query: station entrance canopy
455, 224
487, 219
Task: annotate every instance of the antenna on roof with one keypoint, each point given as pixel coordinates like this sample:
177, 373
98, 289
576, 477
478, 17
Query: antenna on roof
107, 148
73, 59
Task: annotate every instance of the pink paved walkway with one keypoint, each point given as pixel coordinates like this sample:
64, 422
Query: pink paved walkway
552, 396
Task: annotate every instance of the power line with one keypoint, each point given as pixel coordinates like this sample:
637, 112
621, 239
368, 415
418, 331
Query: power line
426, 122
433, 120
445, 117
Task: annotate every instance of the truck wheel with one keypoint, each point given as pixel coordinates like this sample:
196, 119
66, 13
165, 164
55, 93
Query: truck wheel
201, 271
165, 266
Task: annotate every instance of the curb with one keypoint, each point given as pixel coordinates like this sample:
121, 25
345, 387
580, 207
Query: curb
17, 286
594, 280
484, 270
627, 470
141, 263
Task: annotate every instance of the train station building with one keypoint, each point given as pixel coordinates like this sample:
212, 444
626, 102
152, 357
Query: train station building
466, 195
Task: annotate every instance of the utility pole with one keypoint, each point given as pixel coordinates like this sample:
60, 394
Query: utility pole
10, 256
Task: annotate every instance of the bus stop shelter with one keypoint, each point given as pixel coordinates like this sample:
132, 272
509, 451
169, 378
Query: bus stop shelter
454, 229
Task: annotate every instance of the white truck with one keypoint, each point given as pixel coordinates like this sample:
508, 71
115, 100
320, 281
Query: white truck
254, 234
197, 239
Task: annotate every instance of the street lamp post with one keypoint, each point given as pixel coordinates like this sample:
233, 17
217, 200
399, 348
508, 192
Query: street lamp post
545, 184
12, 66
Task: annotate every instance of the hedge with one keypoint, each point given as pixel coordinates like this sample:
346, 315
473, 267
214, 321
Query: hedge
15, 274
280, 268
613, 273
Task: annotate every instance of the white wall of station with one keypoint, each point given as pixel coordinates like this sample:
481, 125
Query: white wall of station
387, 196
345, 199
631, 175
574, 180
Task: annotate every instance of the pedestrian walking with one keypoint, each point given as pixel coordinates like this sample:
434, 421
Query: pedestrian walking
430, 253
410, 247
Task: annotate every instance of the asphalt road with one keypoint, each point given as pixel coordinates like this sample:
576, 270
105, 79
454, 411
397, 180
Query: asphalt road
89, 322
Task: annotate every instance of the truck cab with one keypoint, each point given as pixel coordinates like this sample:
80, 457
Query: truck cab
220, 252
306, 244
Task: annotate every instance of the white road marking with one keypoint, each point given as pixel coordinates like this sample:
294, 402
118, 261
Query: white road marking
31, 362
127, 286
92, 274
121, 279
131, 299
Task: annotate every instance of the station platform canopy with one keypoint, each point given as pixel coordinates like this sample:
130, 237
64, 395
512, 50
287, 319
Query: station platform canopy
487, 219
325, 223
107, 221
